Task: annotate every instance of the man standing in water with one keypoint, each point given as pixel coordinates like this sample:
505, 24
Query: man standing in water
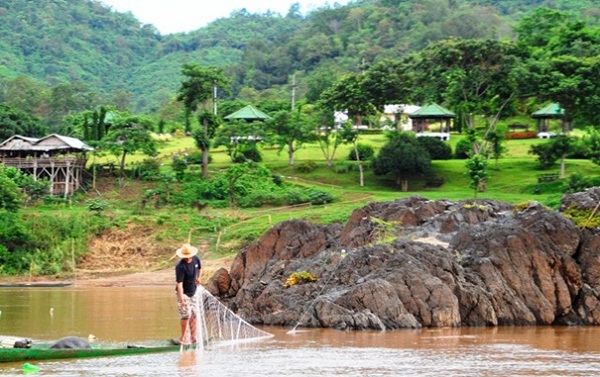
188, 275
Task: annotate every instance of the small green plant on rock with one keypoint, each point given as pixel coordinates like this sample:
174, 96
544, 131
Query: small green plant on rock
583, 218
518, 208
299, 277
385, 230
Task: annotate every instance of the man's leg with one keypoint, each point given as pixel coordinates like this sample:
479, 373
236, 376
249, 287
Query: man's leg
193, 328
184, 325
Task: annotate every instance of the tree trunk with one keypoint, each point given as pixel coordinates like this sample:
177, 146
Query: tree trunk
204, 163
122, 163
562, 167
291, 153
360, 167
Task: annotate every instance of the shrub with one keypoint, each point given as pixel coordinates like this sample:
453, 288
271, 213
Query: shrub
306, 167
365, 152
438, 150
319, 197
148, 170
97, 205
583, 218
342, 167
179, 165
578, 182
247, 152
463, 149
520, 135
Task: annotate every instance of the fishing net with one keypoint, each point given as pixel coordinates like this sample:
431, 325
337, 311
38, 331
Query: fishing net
218, 324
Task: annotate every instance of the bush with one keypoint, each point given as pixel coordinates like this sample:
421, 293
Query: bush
438, 150
306, 167
520, 135
179, 165
342, 167
148, 170
365, 152
579, 150
319, 197
247, 152
463, 149
578, 182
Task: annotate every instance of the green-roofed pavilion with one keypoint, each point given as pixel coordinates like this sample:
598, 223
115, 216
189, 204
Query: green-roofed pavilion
552, 110
249, 114
423, 117
546, 114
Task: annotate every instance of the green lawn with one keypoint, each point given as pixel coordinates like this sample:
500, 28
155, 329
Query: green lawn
513, 179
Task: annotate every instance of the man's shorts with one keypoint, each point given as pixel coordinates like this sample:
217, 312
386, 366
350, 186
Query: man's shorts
191, 307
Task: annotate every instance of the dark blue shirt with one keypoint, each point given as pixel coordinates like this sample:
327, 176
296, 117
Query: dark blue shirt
187, 273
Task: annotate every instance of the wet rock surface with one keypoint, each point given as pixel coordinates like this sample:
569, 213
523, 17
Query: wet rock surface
415, 262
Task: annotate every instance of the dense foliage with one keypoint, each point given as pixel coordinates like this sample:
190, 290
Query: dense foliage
75, 55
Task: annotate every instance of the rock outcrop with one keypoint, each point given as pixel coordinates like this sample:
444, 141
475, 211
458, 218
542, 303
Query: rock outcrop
415, 262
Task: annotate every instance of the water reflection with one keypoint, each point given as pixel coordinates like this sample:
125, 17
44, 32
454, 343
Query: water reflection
137, 314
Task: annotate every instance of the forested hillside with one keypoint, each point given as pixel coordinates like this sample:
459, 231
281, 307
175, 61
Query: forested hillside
59, 56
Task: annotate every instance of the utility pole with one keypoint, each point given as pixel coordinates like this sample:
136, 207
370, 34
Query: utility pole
215, 97
293, 91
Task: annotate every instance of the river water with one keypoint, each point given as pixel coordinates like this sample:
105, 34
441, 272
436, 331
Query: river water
144, 314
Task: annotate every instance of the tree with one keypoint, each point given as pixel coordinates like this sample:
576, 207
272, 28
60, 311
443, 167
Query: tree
67, 98
16, 122
348, 94
561, 145
389, 81
290, 129
204, 136
345, 95
25, 94
556, 148
593, 143
128, 135
11, 197
350, 135
476, 166
496, 148
402, 157
474, 77
562, 58
196, 90
327, 135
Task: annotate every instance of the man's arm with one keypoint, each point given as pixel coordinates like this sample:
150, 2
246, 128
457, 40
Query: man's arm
180, 294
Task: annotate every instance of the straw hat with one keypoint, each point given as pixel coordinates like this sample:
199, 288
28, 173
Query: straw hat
186, 251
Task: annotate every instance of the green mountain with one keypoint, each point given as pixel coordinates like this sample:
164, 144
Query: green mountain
83, 46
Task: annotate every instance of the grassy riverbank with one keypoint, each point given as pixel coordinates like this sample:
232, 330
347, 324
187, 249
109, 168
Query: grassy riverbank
128, 236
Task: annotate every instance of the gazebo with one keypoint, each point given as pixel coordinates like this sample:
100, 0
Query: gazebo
422, 118
61, 159
249, 114
546, 114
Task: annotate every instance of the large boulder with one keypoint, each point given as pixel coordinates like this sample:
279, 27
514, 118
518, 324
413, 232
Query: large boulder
414, 262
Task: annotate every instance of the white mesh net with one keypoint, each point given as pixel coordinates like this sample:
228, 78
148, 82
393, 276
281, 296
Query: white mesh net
217, 324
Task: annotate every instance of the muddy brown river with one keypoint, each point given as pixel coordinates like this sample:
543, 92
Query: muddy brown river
150, 313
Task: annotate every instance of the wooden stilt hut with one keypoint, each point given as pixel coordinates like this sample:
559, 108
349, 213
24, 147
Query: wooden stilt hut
60, 159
